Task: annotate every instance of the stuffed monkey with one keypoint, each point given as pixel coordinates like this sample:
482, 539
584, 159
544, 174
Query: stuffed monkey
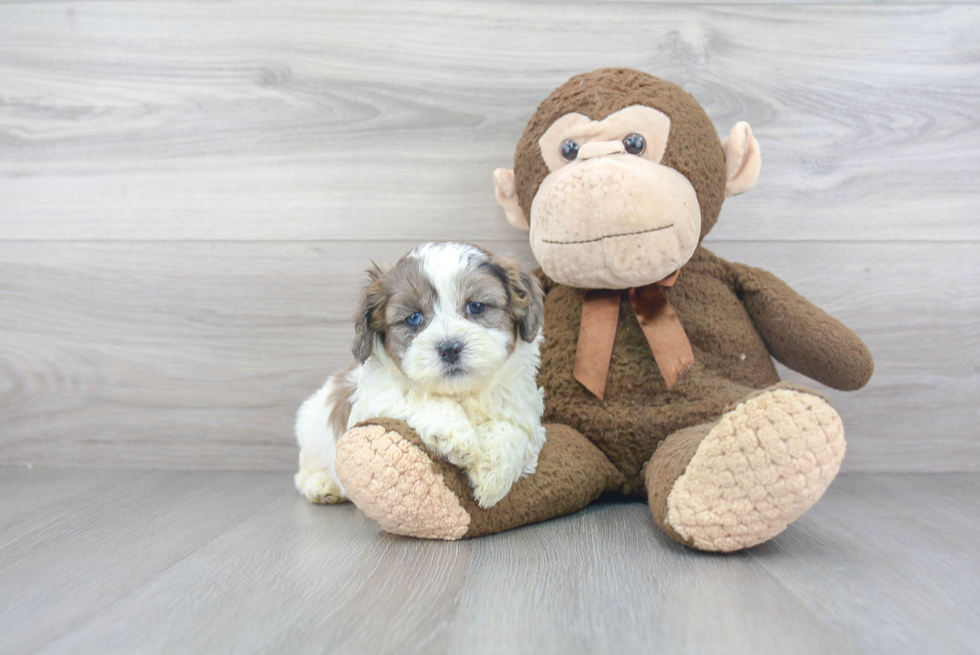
657, 362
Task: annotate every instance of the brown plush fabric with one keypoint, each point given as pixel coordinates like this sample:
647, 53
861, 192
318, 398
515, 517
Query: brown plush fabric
693, 146
571, 474
731, 360
801, 335
667, 464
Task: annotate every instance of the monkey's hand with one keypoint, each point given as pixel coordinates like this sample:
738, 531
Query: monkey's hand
801, 335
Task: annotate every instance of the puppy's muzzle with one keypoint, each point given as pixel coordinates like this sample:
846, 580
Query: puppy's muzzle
449, 351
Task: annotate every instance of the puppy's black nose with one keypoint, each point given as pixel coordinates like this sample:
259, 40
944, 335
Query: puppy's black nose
449, 351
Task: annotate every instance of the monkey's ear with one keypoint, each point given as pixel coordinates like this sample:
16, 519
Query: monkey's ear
742, 159
503, 180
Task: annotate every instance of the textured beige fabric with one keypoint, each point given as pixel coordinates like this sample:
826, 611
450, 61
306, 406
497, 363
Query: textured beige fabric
394, 483
743, 162
760, 468
614, 223
503, 181
653, 125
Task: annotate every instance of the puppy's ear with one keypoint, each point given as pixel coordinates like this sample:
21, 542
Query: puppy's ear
370, 319
525, 295
534, 312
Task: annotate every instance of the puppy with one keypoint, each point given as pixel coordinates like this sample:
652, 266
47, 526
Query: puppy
447, 340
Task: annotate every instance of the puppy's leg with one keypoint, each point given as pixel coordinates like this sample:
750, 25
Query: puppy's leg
317, 423
447, 432
493, 455
504, 458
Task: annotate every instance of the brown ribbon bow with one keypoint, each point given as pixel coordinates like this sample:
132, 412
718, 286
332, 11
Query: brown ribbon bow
662, 328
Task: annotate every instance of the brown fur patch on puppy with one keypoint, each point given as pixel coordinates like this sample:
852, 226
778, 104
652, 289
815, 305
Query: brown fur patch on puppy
339, 402
369, 320
525, 298
409, 291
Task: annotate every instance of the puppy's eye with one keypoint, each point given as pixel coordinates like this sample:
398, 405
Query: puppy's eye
634, 144
569, 150
475, 308
415, 319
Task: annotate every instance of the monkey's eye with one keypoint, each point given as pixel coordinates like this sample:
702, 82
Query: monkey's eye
475, 308
569, 150
415, 319
635, 144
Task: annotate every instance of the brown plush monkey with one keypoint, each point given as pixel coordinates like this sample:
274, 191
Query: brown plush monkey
657, 364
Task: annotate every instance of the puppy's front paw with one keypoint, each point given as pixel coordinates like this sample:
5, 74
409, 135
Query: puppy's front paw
459, 447
490, 483
320, 488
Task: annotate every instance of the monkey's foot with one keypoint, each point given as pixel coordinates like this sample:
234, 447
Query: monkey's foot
758, 469
388, 473
394, 482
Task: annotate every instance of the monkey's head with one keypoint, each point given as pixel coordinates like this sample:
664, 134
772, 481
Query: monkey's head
618, 176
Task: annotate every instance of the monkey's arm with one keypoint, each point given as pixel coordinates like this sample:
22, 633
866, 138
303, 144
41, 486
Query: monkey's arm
801, 335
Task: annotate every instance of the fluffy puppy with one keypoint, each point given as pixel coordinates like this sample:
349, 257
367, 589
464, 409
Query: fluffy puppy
447, 340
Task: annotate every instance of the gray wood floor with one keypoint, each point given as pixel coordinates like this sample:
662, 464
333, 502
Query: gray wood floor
97, 561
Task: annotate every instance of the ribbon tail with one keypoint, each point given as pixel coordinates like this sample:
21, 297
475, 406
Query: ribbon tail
663, 330
596, 335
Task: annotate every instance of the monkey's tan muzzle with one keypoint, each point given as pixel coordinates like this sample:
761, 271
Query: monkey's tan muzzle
614, 221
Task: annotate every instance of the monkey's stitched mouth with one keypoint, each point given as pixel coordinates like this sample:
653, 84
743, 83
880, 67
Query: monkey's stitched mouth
611, 236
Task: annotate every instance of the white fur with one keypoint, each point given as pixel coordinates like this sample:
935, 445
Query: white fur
317, 478
488, 421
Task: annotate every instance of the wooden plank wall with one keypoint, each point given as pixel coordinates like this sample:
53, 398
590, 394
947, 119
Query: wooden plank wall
189, 191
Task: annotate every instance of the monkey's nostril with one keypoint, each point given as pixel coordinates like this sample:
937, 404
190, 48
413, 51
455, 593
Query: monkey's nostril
449, 351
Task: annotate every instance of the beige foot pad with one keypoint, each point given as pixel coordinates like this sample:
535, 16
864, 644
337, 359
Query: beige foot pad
394, 483
760, 468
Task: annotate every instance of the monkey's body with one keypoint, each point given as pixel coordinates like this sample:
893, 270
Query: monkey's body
638, 411
726, 454
731, 362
